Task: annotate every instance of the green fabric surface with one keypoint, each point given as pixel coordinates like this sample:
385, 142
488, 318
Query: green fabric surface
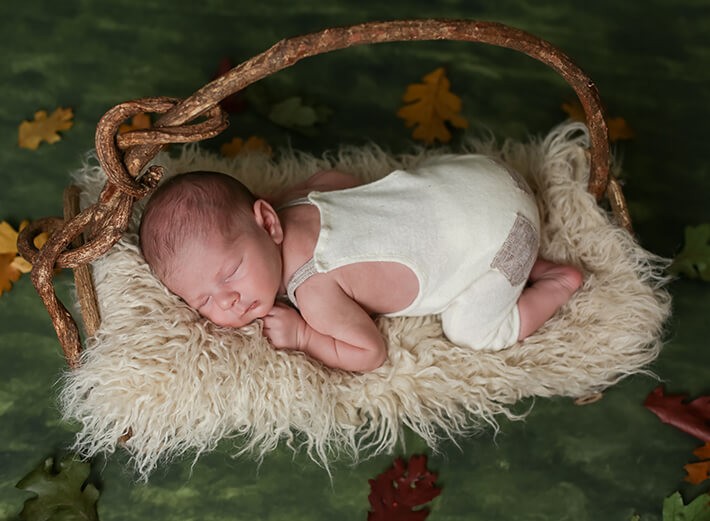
651, 61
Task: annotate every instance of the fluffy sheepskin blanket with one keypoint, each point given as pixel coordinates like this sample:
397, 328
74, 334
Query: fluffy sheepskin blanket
180, 384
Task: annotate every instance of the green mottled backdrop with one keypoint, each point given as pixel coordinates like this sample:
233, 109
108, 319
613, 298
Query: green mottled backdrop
651, 60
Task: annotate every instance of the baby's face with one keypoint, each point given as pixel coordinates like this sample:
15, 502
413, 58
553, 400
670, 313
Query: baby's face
230, 282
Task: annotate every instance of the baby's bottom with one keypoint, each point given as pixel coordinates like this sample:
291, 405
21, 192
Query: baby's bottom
492, 314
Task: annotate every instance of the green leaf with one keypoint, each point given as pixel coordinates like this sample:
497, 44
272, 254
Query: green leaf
62, 492
287, 110
291, 112
294, 114
696, 510
694, 260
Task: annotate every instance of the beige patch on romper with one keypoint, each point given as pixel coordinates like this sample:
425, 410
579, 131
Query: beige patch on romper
516, 257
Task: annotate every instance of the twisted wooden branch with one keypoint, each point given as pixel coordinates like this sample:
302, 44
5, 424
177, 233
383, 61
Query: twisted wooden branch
124, 157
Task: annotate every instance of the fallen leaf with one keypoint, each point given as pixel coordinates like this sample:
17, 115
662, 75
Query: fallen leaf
397, 491
233, 103
293, 113
238, 146
140, 121
9, 273
691, 417
12, 265
698, 471
694, 260
619, 129
429, 106
696, 510
62, 492
8, 238
44, 128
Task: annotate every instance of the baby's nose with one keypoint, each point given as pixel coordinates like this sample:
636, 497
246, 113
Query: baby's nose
227, 299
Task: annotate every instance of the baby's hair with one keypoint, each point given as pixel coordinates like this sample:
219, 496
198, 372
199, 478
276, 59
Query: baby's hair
189, 206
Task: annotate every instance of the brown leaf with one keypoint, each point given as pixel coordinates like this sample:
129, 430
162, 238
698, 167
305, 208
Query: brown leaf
430, 105
619, 129
692, 417
44, 128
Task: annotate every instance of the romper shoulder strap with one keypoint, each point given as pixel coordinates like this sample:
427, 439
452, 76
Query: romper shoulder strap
299, 277
294, 202
309, 268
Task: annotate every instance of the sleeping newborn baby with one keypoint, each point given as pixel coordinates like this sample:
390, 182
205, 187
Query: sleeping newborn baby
457, 236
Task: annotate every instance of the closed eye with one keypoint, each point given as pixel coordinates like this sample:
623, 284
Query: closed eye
234, 272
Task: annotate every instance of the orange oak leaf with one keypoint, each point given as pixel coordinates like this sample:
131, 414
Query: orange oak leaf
238, 146
697, 472
12, 265
429, 106
138, 122
44, 128
700, 470
619, 129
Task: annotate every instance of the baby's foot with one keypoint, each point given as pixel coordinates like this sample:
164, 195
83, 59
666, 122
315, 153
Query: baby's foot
551, 286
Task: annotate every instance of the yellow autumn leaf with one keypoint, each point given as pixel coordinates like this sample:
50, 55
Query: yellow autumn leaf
8, 272
619, 129
8, 239
12, 265
238, 146
429, 106
138, 122
44, 128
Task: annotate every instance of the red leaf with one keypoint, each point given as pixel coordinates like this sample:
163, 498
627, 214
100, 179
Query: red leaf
692, 417
233, 103
398, 490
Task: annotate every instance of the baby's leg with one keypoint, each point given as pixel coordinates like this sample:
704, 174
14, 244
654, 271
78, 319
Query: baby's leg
551, 286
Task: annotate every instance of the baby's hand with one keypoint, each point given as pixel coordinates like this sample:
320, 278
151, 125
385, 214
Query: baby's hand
282, 326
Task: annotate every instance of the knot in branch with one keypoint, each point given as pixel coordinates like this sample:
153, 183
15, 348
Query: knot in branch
123, 164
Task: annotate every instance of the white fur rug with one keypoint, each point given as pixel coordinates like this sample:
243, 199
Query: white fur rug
181, 384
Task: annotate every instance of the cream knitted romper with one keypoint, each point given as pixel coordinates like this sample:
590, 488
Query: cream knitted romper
467, 226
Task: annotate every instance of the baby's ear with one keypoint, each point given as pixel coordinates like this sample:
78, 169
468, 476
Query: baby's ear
267, 218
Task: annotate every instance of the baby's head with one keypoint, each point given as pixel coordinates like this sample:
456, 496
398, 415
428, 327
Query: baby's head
215, 245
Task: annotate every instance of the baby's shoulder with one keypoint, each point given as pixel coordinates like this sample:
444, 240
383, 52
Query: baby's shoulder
322, 299
329, 180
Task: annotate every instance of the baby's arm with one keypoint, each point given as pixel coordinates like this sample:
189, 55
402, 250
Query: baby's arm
334, 329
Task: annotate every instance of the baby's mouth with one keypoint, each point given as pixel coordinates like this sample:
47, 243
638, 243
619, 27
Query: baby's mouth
251, 307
